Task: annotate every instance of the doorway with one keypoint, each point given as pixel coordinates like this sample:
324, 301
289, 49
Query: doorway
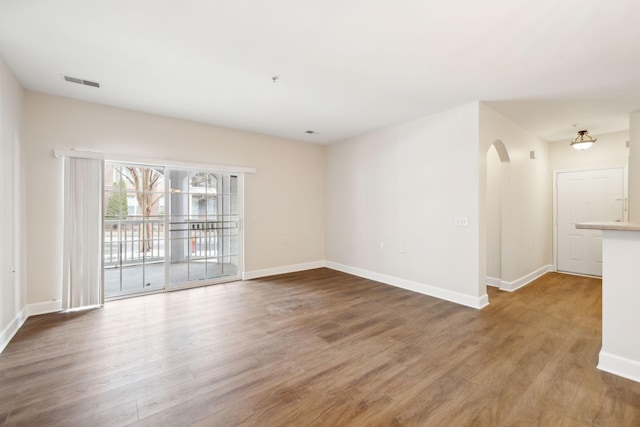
167, 228
583, 196
497, 179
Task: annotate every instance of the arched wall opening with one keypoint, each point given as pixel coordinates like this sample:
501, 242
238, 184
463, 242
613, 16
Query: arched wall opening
497, 177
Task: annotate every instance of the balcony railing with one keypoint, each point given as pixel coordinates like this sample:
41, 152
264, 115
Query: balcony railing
124, 241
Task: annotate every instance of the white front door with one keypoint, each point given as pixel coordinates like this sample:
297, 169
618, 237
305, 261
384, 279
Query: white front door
595, 195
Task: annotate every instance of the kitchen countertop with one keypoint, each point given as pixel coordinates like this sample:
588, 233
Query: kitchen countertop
610, 225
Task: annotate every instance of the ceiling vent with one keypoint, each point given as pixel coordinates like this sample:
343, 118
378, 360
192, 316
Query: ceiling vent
81, 82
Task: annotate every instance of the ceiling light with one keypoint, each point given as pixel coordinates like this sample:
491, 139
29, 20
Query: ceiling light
583, 140
310, 132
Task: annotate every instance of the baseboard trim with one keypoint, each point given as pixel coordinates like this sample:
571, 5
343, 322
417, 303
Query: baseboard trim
44, 308
492, 281
456, 297
11, 329
248, 275
525, 280
621, 366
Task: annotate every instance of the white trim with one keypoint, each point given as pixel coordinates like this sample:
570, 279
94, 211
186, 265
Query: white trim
444, 294
248, 275
58, 152
492, 281
620, 366
589, 168
456, 297
191, 284
30, 310
44, 308
11, 329
578, 274
525, 280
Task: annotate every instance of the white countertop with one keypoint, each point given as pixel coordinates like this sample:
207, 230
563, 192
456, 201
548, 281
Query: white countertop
610, 225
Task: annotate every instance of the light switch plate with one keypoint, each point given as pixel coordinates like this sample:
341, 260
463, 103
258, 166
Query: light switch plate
461, 220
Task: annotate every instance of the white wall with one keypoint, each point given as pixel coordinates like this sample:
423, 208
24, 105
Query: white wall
634, 167
12, 209
284, 200
526, 200
403, 185
494, 216
620, 352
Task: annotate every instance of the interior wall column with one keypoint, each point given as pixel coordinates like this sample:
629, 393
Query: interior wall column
634, 167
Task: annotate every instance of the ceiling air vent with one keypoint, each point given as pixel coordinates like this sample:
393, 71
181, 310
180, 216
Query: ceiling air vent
81, 81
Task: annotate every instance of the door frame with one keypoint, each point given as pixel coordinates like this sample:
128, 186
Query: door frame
213, 281
239, 171
625, 195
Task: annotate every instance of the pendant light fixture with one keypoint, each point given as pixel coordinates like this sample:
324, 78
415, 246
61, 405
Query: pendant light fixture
583, 140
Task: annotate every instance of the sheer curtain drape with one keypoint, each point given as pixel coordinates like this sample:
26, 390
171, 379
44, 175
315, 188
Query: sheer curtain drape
82, 284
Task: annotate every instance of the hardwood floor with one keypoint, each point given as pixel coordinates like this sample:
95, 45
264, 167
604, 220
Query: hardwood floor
319, 348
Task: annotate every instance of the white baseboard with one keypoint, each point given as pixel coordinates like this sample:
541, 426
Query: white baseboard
457, 297
525, 280
492, 281
620, 366
44, 307
28, 311
12, 328
248, 275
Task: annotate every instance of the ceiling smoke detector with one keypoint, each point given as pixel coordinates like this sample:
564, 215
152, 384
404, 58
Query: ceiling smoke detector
81, 81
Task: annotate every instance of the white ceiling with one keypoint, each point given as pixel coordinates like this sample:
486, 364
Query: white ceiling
345, 67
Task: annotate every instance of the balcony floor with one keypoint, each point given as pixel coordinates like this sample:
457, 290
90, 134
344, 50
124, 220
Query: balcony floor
134, 277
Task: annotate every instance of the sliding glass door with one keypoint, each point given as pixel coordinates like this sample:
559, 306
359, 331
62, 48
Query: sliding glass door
204, 227
169, 228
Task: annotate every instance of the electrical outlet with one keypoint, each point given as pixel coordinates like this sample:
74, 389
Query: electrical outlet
401, 249
382, 246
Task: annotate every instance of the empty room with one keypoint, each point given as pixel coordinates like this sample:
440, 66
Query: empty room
294, 213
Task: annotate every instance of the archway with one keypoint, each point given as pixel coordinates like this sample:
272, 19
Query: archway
497, 161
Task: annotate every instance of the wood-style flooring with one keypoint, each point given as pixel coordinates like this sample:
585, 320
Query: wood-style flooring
319, 348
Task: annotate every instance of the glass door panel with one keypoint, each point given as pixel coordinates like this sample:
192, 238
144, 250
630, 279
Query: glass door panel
133, 229
204, 217
152, 235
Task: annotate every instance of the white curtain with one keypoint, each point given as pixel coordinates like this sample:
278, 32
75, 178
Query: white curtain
82, 284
